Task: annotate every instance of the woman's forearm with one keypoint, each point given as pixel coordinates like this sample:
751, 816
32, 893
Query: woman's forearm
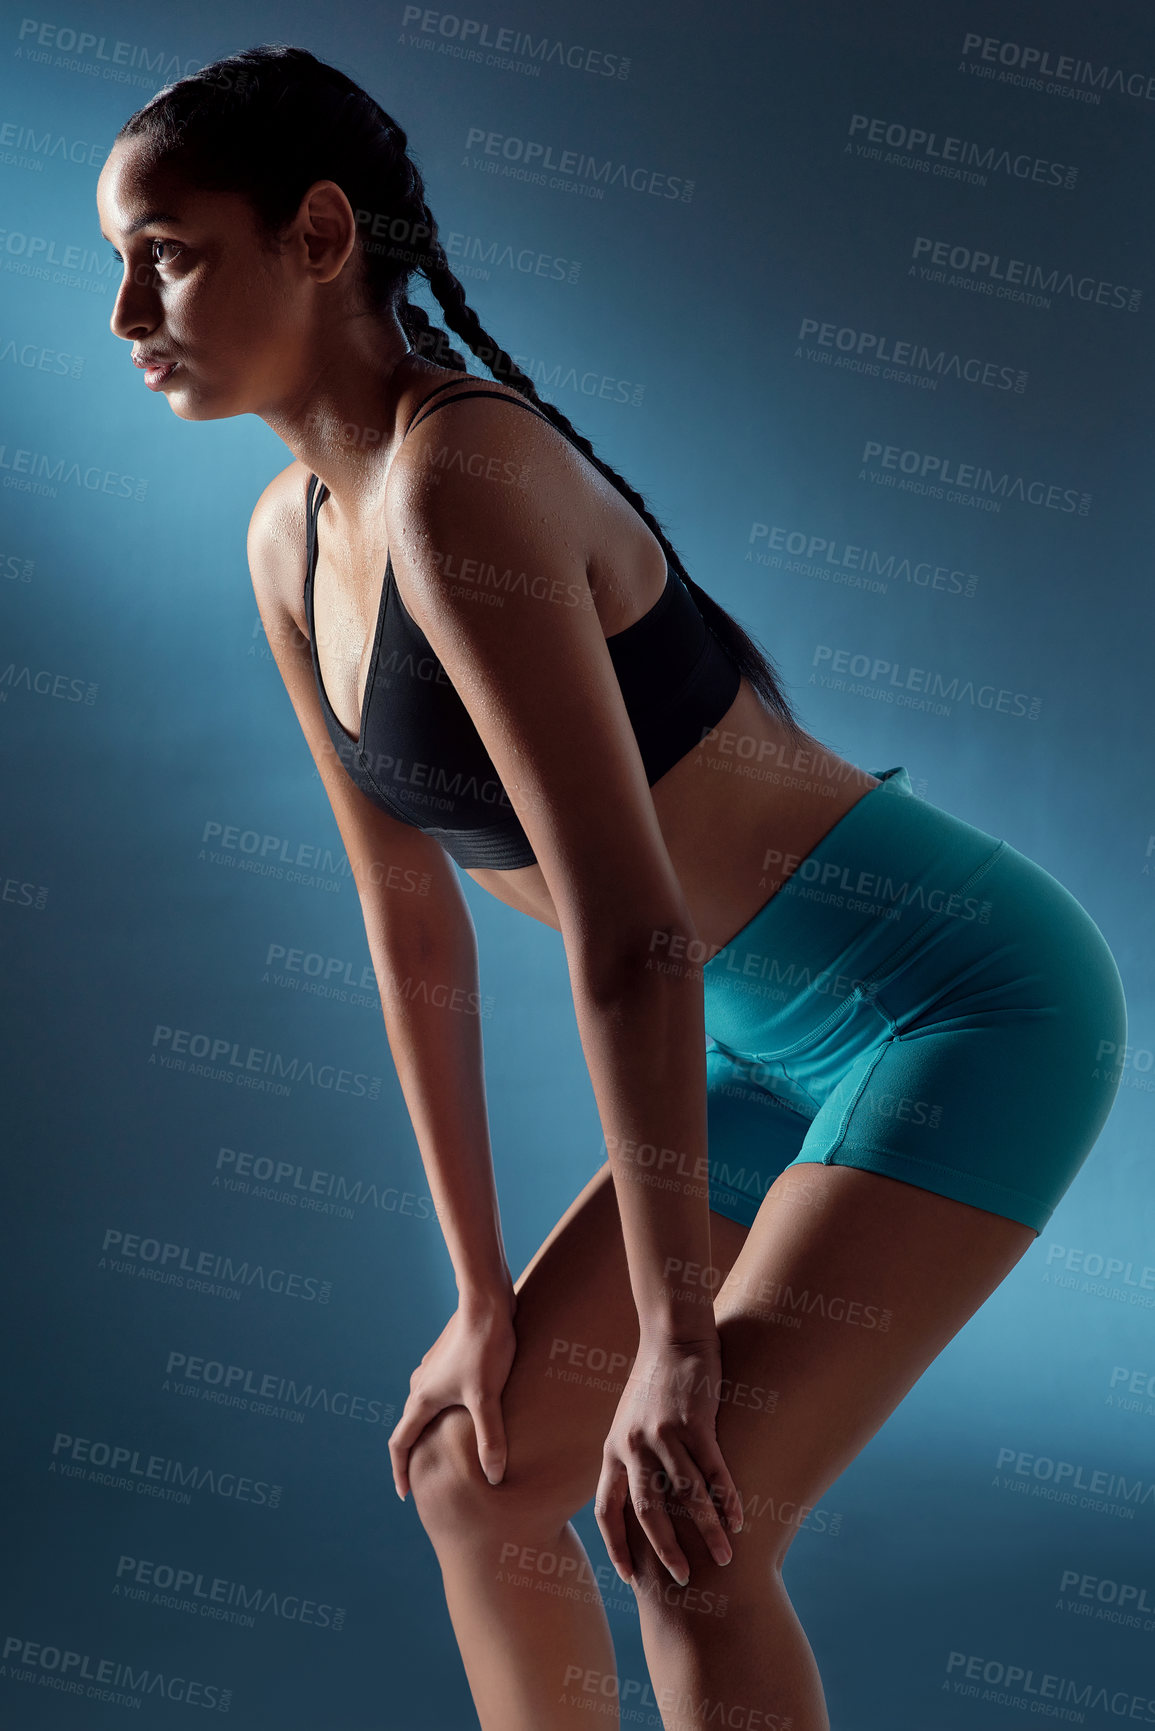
645, 1045
431, 1001
437, 1053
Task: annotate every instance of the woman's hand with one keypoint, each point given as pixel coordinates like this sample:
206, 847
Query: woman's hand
662, 1452
468, 1365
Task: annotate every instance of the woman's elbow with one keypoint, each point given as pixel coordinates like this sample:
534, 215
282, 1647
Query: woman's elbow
605, 969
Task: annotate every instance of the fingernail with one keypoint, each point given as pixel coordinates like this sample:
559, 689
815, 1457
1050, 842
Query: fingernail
727, 1557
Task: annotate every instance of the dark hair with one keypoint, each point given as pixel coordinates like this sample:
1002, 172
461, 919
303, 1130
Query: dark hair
269, 121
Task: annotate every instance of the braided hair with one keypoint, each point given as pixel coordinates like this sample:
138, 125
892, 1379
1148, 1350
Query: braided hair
269, 121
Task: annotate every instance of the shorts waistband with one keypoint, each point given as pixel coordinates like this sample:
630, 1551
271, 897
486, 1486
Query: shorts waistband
845, 917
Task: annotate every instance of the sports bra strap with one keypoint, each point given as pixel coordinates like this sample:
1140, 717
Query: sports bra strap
421, 412
315, 497
444, 386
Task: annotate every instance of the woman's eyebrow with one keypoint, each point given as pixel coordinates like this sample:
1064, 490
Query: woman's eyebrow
143, 221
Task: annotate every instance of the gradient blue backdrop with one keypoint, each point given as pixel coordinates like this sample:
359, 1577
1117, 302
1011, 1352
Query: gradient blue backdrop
159, 796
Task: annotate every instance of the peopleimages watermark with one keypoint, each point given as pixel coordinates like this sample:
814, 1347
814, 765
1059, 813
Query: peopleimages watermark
216, 1597
532, 160
20, 893
539, 1569
129, 1252
551, 377
1107, 1593
313, 1190
1128, 1066
224, 1059
761, 1294
42, 681
1139, 1386
330, 978
916, 687
1073, 1259
884, 356
35, 358
310, 865
43, 145
679, 1708
507, 48
1022, 1686
272, 850
26, 471
938, 477
1017, 279
858, 567
116, 1681
250, 1390
50, 260
162, 1476
953, 158
471, 256
18, 568
1072, 1482
1034, 65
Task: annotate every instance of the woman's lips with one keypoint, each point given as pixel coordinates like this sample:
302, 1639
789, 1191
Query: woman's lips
154, 377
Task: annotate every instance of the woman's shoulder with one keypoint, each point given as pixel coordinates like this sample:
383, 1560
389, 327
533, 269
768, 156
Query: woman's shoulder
276, 539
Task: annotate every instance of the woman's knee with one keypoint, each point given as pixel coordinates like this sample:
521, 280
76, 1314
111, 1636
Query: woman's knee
715, 1597
452, 1494
445, 1473
714, 1589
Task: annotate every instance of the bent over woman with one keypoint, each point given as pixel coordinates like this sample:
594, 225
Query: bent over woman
842, 1043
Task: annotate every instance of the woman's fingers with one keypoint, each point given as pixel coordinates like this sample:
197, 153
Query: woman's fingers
695, 1486
420, 1409
650, 1484
485, 1410
665, 1480
723, 1490
412, 1422
609, 1506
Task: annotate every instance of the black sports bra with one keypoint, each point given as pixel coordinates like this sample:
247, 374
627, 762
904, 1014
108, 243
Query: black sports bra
420, 758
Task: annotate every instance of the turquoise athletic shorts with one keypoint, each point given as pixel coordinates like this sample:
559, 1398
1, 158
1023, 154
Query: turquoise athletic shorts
919, 1000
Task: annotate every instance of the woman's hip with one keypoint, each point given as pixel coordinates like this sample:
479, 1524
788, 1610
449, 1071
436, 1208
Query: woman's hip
903, 915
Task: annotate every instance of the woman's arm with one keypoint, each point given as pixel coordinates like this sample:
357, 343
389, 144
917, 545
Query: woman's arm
538, 681
426, 968
418, 927
537, 678
643, 1039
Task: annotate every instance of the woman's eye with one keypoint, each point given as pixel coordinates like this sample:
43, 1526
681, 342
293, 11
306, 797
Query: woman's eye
169, 243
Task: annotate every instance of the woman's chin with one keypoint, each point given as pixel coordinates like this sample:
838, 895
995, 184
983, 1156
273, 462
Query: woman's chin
192, 405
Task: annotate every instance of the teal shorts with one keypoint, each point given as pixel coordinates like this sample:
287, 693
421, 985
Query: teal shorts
920, 1000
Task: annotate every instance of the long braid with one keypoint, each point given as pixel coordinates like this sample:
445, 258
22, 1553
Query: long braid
753, 660
268, 122
426, 339
751, 657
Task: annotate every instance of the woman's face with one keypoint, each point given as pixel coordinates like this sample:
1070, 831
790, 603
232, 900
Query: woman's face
200, 289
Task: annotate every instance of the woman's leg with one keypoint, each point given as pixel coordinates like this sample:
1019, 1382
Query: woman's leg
526, 1607
880, 1275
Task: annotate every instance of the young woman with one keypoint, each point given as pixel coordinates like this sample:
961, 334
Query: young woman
846, 1048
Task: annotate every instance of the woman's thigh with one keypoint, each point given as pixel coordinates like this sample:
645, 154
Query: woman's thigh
848, 1286
577, 1333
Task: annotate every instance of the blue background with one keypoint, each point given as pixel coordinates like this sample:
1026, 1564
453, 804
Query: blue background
143, 721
